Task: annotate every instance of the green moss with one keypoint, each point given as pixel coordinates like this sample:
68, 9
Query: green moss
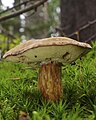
19, 92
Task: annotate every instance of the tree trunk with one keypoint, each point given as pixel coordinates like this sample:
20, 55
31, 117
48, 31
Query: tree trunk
78, 19
50, 81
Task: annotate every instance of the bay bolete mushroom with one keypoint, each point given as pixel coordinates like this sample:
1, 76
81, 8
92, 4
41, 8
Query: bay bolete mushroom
49, 54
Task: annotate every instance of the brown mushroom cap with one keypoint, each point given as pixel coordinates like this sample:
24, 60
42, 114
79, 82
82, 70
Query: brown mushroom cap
58, 49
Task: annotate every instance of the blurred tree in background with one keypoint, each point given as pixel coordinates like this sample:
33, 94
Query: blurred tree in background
78, 19
38, 22
21, 20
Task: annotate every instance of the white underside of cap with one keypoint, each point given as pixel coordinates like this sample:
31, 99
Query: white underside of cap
42, 55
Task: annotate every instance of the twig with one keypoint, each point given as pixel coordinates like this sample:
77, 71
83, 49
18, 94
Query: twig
84, 27
15, 6
61, 30
14, 14
90, 38
14, 78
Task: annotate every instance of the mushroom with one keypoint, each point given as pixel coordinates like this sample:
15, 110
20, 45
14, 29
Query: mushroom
49, 55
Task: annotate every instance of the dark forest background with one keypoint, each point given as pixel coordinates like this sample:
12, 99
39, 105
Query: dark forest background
33, 19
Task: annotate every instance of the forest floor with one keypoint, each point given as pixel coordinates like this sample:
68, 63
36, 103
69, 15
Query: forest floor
19, 92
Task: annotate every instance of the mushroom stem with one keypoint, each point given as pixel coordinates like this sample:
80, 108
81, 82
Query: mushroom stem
49, 81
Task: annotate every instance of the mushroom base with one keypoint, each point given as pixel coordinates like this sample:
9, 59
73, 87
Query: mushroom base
49, 81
